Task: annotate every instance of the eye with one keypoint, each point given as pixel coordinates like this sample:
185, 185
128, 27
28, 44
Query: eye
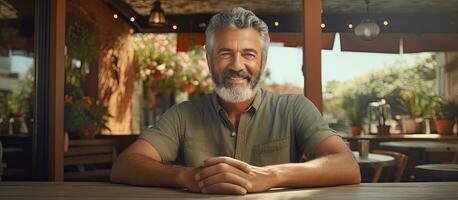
225, 54
249, 56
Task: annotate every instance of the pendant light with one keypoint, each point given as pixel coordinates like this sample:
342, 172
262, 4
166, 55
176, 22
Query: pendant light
157, 17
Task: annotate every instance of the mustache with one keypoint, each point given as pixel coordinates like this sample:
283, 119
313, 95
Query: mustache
236, 74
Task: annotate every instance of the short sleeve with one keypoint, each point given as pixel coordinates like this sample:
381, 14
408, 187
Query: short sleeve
310, 127
165, 135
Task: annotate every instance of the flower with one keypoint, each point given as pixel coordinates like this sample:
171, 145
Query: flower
86, 102
162, 68
158, 75
80, 112
169, 73
188, 87
406, 95
68, 99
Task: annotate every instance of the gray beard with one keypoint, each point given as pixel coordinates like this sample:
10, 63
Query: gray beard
235, 93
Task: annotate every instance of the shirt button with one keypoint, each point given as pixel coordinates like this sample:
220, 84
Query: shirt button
233, 134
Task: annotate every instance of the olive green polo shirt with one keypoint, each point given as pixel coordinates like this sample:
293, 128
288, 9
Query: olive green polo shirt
275, 129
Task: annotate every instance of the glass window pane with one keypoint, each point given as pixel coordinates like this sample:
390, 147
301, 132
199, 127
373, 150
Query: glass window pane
17, 85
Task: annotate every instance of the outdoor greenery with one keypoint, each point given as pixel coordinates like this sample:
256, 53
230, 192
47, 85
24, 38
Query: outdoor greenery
18, 104
408, 90
20, 101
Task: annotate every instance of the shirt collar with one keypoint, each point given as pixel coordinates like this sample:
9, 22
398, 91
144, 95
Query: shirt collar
254, 106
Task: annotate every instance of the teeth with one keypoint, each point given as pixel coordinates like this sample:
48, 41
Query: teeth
236, 80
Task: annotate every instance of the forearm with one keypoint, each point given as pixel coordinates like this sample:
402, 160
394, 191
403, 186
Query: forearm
137, 169
333, 169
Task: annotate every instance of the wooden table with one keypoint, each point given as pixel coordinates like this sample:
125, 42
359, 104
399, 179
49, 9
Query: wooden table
403, 137
374, 158
427, 146
376, 161
437, 172
107, 191
421, 148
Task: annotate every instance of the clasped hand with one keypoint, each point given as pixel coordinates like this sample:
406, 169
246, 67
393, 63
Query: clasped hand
225, 175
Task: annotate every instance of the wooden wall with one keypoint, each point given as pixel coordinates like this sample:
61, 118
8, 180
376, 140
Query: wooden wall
110, 81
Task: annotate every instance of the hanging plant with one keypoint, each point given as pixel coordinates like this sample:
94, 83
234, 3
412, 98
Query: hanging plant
82, 47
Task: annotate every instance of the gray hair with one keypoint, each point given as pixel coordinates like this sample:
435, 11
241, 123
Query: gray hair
239, 18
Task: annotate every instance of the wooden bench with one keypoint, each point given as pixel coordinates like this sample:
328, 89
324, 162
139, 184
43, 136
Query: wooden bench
92, 159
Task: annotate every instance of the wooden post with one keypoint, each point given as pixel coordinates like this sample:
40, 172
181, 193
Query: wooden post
312, 52
56, 91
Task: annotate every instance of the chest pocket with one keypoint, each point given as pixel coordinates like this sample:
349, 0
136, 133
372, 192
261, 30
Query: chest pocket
273, 152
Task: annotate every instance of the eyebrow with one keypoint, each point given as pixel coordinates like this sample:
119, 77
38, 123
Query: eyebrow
244, 50
223, 50
250, 50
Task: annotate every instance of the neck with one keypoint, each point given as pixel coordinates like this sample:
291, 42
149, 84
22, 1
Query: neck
235, 109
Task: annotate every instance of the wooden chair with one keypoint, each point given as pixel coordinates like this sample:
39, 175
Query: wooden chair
401, 162
92, 159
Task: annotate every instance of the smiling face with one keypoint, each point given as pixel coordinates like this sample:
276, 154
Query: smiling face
235, 63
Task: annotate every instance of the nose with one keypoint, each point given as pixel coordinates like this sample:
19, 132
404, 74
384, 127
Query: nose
237, 63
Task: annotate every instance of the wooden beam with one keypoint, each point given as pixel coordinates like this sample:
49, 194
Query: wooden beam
56, 91
312, 52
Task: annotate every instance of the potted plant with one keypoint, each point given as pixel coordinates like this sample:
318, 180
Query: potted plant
355, 116
83, 118
445, 113
173, 76
17, 105
353, 105
416, 106
382, 113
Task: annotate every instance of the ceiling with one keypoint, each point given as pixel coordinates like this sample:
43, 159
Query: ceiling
14, 9
391, 6
7, 11
143, 7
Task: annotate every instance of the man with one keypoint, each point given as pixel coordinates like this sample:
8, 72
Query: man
240, 139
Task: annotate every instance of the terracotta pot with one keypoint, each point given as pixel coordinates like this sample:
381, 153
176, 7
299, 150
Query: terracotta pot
356, 130
383, 130
444, 126
188, 87
88, 132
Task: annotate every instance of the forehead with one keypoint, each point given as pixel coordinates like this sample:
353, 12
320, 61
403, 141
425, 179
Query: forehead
231, 37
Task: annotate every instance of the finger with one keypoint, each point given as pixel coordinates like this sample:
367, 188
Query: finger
228, 160
217, 169
225, 177
224, 188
